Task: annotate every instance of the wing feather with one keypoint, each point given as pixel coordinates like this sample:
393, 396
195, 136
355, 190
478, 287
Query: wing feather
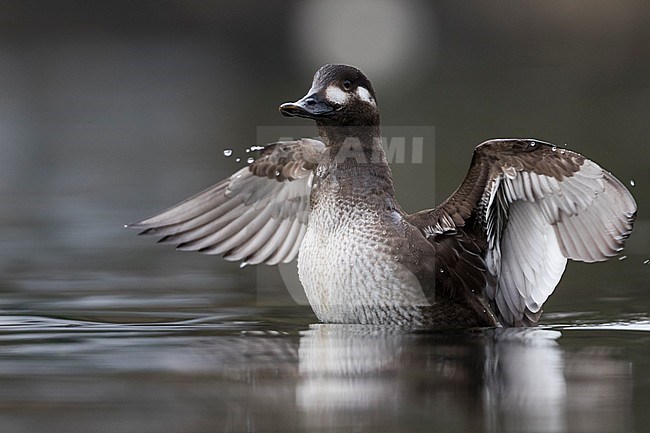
264, 253
259, 214
244, 251
287, 245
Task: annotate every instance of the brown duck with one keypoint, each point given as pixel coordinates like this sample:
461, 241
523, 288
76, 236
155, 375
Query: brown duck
489, 255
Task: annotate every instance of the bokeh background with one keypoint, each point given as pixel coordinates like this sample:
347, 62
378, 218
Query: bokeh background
114, 110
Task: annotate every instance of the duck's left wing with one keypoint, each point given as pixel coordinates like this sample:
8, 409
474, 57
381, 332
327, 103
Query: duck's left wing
257, 215
535, 206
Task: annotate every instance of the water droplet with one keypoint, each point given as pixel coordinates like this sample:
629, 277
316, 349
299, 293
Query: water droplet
248, 151
238, 160
277, 173
563, 151
257, 148
250, 160
532, 144
632, 183
646, 262
243, 264
442, 271
554, 148
227, 152
383, 232
622, 258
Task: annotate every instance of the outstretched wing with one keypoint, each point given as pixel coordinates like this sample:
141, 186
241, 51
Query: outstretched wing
257, 215
536, 205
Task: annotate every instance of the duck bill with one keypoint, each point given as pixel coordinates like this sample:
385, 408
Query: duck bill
312, 106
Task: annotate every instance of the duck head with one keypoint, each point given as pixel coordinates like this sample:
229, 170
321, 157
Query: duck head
340, 95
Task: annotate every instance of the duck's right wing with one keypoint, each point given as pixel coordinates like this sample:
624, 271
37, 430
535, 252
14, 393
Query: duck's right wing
257, 215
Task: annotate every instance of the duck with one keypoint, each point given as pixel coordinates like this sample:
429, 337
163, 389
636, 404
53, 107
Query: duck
489, 255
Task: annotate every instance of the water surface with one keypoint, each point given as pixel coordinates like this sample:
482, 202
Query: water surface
245, 371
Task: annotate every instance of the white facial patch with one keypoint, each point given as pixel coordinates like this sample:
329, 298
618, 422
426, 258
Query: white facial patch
364, 95
336, 95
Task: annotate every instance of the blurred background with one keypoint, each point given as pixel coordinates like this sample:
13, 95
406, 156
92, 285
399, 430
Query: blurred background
111, 111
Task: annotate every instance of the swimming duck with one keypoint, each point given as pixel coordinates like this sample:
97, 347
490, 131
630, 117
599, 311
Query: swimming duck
489, 255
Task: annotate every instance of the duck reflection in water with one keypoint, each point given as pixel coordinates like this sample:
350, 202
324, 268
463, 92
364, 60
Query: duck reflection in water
495, 380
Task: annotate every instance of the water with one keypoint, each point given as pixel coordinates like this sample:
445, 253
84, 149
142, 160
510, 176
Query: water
250, 373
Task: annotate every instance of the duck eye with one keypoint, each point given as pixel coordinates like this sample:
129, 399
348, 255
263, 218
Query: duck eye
347, 84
